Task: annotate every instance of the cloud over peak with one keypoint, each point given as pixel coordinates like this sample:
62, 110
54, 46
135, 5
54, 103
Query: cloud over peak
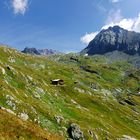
131, 24
88, 37
20, 6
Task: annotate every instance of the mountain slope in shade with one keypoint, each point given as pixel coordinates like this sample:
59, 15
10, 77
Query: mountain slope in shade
114, 38
32, 51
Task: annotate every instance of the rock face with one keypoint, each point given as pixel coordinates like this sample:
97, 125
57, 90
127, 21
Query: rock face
75, 133
35, 51
112, 39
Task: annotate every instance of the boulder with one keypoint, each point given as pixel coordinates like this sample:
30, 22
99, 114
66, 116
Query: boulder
122, 102
59, 119
74, 132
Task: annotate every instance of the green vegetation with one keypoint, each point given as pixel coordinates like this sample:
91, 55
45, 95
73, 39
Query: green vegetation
100, 97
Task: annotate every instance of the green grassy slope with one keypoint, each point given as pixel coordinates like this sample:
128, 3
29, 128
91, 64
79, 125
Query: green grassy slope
100, 97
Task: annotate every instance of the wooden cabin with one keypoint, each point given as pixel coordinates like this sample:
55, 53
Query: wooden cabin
57, 82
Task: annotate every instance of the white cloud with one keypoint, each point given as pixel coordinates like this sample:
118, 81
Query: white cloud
20, 6
131, 24
124, 23
136, 26
114, 16
88, 37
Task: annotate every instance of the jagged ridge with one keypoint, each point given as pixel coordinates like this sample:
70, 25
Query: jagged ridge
44, 52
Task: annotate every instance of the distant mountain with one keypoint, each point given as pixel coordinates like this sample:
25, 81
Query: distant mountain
32, 51
48, 52
112, 39
35, 51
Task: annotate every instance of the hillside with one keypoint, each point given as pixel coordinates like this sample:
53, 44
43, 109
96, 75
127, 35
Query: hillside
114, 39
97, 99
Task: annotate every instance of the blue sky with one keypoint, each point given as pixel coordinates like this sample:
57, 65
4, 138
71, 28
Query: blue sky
64, 25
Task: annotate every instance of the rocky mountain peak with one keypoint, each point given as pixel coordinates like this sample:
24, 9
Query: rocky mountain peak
33, 51
116, 29
112, 39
